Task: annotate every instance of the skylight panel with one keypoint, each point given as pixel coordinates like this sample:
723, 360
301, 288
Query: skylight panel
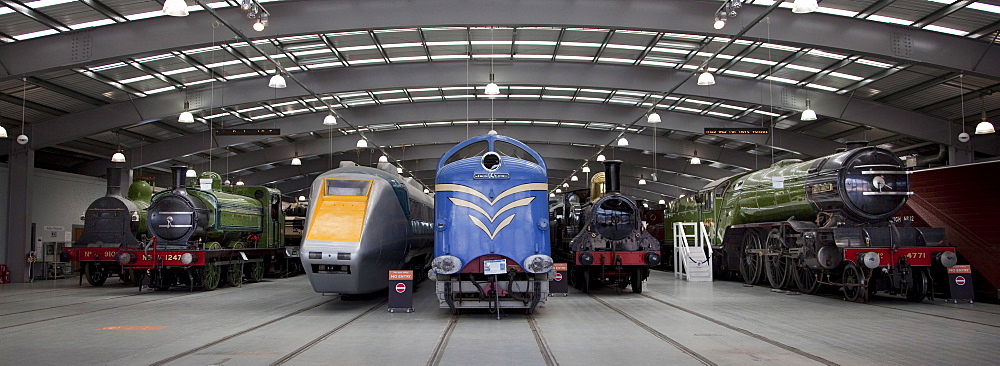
402, 45
135, 79
890, 20
581, 44
719, 114
873, 63
846, 76
574, 58
616, 60
819, 53
841, 12
44, 3
758, 61
21, 37
199, 82
447, 43
106, 67
591, 99
782, 80
657, 63
985, 7
311, 52
394, 100
947, 30
179, 71
363, 62
686, 109
432, 97
241, 76
821, 87
780, 47
626, 47
225, 63
96, 23
449, 57
740, 73
160, 90
146, 15
766, 113
5, 10
803, 68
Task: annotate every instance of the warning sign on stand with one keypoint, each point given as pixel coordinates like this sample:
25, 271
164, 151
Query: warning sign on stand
559, 284
400, 291
960, 283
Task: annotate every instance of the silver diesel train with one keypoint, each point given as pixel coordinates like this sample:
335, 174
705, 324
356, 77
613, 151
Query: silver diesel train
363, 222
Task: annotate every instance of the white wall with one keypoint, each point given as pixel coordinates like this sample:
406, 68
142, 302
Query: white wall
3, 212
57, 199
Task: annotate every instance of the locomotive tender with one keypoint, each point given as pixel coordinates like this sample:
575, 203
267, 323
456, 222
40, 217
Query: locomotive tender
202, 234
823, 221
603, 240
491, 239
362, 223
110, 222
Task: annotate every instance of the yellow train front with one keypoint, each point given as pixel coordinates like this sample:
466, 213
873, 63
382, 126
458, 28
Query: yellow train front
363, 222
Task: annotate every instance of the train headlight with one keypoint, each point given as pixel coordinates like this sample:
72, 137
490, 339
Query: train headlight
188, 258
126, 258
585, 258
947, 259
538, 263
446, 264
652, 259
870, 259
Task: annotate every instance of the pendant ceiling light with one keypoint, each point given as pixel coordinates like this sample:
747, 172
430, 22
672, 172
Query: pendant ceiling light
558, 190
227, 182
623, 141
574, 179
654, 118
118, 157
175, 8
719, 23
3, 132
805, 6
261, 22
296, 161
706, 78
191, 173
361, 143
186, 116
277, 81
330, 119
662, 201
586, 169
427, 191
552, 195
492, 88
302, 198
399, 170
383, 159
809, 114
984, 127
642, 181
240, 182
600, 157
695, 160
565, 185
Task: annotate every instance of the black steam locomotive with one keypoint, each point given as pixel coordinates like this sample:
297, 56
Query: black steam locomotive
602, 239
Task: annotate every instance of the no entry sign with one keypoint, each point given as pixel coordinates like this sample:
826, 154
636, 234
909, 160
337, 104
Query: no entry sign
400, 287
960, 281
401, 291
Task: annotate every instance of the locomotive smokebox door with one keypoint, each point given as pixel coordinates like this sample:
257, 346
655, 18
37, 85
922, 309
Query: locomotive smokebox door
960, 283
559, 284
400, 291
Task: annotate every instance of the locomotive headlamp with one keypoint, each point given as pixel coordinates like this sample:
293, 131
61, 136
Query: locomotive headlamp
585, 258
652, 259
188, 258
446, 264
947, 259
870, 259
538, 263
126, 258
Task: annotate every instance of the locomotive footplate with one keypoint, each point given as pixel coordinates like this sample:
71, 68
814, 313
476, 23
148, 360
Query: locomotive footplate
470, 295
185, 258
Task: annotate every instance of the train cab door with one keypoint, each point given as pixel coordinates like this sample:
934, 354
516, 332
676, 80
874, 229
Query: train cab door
706, 209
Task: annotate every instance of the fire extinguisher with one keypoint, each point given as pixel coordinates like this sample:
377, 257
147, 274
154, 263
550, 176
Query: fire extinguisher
4, 274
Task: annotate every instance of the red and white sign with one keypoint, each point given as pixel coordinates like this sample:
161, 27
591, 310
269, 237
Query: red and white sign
960, 280
400, 287
558, 276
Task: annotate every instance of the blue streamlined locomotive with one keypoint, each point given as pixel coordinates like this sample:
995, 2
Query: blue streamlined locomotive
491, 240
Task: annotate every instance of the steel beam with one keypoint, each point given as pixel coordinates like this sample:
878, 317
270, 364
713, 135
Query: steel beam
416, 75
854, 36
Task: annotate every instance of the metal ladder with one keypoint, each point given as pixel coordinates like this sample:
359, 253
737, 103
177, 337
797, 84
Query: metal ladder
692, 252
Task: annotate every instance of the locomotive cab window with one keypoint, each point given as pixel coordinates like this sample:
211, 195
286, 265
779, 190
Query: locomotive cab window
347, 187
472, 150
508, 149
720, 191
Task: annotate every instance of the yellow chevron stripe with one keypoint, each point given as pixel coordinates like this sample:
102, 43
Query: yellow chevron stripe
448, 187
515, 204
506, 221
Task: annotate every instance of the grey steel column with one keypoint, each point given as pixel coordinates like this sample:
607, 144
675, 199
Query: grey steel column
22, 170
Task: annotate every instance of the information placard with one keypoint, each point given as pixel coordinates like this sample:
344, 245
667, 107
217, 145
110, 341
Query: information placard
495, 267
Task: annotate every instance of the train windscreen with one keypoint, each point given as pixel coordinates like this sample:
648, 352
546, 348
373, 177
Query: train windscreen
347, 187
508, 149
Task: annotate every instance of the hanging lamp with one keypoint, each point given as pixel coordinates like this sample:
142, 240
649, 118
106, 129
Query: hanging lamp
175, 8
623, 141
809, 114
706, 78
330, 120
277, 81
805, 6
984, 127
654, 118
600, 157
296, 161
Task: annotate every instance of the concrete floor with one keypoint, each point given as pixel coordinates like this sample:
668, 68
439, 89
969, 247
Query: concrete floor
673, 322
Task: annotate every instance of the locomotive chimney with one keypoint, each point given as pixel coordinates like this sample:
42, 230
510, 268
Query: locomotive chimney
851, 145
115, 181
179, 173
612, 181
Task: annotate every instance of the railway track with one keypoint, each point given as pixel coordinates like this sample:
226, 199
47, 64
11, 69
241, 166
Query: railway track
317, 340
742, 331
65, 305
543, 346
98, 310
437, 355
442, 342
697, 356
941, 316
240, 333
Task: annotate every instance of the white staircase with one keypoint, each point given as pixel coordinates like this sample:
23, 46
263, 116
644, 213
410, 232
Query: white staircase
692, 252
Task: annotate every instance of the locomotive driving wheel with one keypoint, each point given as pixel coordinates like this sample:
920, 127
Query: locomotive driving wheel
917, 286
805, 277
210, 276
751, 259
637, 280
96, 276
777, 266
853, 280
256, 272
